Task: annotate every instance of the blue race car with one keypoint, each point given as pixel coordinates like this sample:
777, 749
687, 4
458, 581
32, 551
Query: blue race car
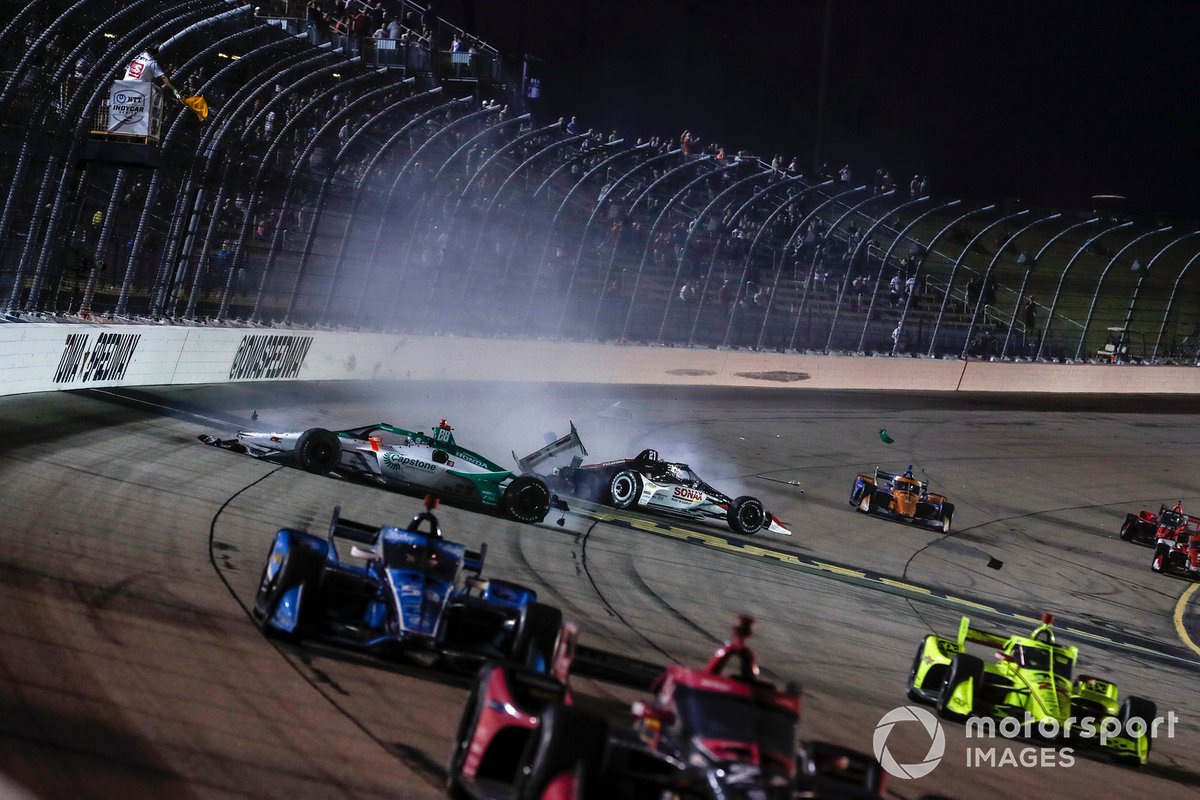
401, 589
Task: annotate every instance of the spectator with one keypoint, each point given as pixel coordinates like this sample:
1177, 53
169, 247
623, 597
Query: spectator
1029, 315
687, 292
393, 28
844, 174
914, 187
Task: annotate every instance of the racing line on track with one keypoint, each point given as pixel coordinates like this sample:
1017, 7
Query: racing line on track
828, 569
876, 581
420, 769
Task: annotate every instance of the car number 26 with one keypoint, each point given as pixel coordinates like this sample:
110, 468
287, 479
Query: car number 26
689, 495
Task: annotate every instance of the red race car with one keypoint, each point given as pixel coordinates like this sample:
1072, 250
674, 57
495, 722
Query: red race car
708, 733
1177, 550
1147, 527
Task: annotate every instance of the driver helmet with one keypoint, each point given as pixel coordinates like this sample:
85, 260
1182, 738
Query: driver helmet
675, 472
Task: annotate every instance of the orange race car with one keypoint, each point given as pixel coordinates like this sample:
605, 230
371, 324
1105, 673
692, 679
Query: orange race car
901, 497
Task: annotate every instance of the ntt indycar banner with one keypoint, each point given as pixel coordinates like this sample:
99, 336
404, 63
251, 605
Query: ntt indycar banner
129, 104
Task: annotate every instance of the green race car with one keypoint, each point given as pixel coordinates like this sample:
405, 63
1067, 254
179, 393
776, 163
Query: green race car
408, 461
1032, 680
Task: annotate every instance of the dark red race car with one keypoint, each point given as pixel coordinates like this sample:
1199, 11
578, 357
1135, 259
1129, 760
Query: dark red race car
1147, 527
707, 734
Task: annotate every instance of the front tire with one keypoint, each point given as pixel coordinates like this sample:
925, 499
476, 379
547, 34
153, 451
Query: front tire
746, 515
1129, 528
912, 675
466, 732
1146, 711
537, 637
947, 516
962, 668
625, 488
568, 739
294, 558
318, 451
1160, 558
526, 499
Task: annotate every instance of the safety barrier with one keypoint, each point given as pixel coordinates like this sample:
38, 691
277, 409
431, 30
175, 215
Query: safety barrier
51, 357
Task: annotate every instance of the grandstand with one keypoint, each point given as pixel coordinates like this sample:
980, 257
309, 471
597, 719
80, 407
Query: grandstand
400, 182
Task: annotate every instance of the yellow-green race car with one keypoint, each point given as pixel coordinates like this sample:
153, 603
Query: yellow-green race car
1031, 679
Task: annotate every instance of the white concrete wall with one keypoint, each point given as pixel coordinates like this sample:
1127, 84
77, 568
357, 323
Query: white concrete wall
45, 357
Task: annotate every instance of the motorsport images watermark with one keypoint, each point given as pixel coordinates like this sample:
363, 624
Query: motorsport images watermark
1105, 732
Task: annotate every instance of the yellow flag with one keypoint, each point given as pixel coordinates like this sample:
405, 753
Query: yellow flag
198, 105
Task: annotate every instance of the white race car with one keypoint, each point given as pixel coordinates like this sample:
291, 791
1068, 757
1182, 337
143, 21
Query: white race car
649, 482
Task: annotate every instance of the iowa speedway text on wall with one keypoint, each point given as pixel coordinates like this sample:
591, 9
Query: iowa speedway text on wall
271, 356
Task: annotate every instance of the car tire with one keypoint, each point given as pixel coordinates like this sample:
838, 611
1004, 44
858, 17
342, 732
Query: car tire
318, 451
947, 517
962, 668
536, 639
1160, 558
526, 499
625, 488
746, 515
472, 711
912, 674
567, 739
1146, 711
1129, 527
301, 559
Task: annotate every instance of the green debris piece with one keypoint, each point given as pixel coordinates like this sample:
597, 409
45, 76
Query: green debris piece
887, 439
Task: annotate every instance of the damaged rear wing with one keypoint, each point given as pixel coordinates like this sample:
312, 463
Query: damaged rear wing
562, 445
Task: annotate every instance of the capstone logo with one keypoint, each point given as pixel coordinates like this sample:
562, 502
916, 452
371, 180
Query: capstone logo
397, 462
937, 742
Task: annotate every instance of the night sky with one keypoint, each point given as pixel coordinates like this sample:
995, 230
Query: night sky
1049, 102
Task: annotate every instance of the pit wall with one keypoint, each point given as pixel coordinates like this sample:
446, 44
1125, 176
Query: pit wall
39, 357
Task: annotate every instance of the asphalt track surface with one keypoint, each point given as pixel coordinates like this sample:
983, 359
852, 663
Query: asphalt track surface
129, 553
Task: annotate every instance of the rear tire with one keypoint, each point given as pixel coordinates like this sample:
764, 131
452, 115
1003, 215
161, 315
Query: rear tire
318, 451
962, 668
568, 739
746, 515
537, 637
526, 499
625, 488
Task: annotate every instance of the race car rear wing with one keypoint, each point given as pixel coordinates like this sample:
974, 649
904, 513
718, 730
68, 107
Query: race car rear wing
968, 634
358, 532
561, 445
